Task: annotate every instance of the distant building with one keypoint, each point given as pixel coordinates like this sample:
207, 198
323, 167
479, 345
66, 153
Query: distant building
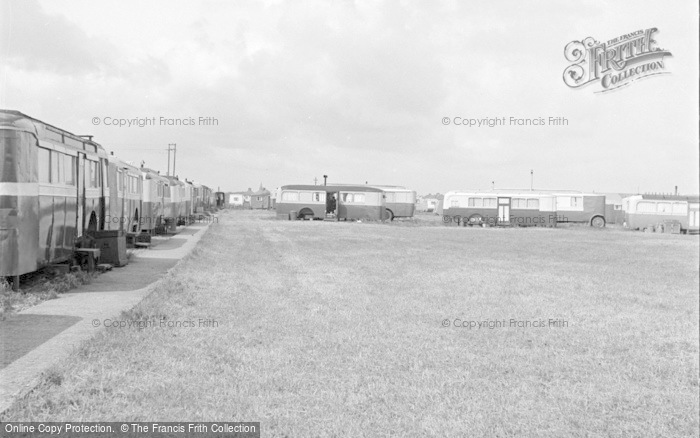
235, 200
249, 199
261, 199
614, 213
428, 203
240, 199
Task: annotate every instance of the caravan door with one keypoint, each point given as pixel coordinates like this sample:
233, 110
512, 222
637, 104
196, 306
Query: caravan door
503, 210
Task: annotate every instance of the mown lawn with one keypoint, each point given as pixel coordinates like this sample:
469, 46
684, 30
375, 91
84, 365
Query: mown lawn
336, 329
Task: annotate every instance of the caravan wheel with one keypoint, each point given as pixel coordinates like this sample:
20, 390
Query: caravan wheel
475, 219
598, 222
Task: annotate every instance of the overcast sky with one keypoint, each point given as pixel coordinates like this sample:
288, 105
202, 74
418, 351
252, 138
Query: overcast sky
358, 90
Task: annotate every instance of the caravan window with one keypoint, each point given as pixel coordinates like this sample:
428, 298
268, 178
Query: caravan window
646, 207
93, 173
663, 207
305, 196
69, 169
352, 198
44, 165
459, 201
290, 196
482, 202
312, 196
680, 208
569, 202
56, 167
518, 203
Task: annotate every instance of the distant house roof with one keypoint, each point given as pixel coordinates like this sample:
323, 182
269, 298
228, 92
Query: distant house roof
262, 192
614, 198
248, 192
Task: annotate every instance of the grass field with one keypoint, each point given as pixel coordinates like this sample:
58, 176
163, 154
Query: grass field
336, 329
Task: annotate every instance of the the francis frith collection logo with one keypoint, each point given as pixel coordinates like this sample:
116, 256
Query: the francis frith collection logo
615, 63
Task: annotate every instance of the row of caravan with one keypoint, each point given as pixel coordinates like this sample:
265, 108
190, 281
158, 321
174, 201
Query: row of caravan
544, 208
496, 207
58, 189
142, 200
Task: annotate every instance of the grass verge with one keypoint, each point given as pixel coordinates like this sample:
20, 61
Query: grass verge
323, 328
38, 287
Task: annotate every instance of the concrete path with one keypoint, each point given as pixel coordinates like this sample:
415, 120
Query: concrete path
73, 313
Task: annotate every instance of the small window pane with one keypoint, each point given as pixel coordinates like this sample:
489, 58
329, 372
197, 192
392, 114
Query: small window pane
44, 165
359, 198
91, 177
663, 207
533, 204
290, 196
305, 196
60, 174
680, 208
55, 175
69, 169
646, 207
